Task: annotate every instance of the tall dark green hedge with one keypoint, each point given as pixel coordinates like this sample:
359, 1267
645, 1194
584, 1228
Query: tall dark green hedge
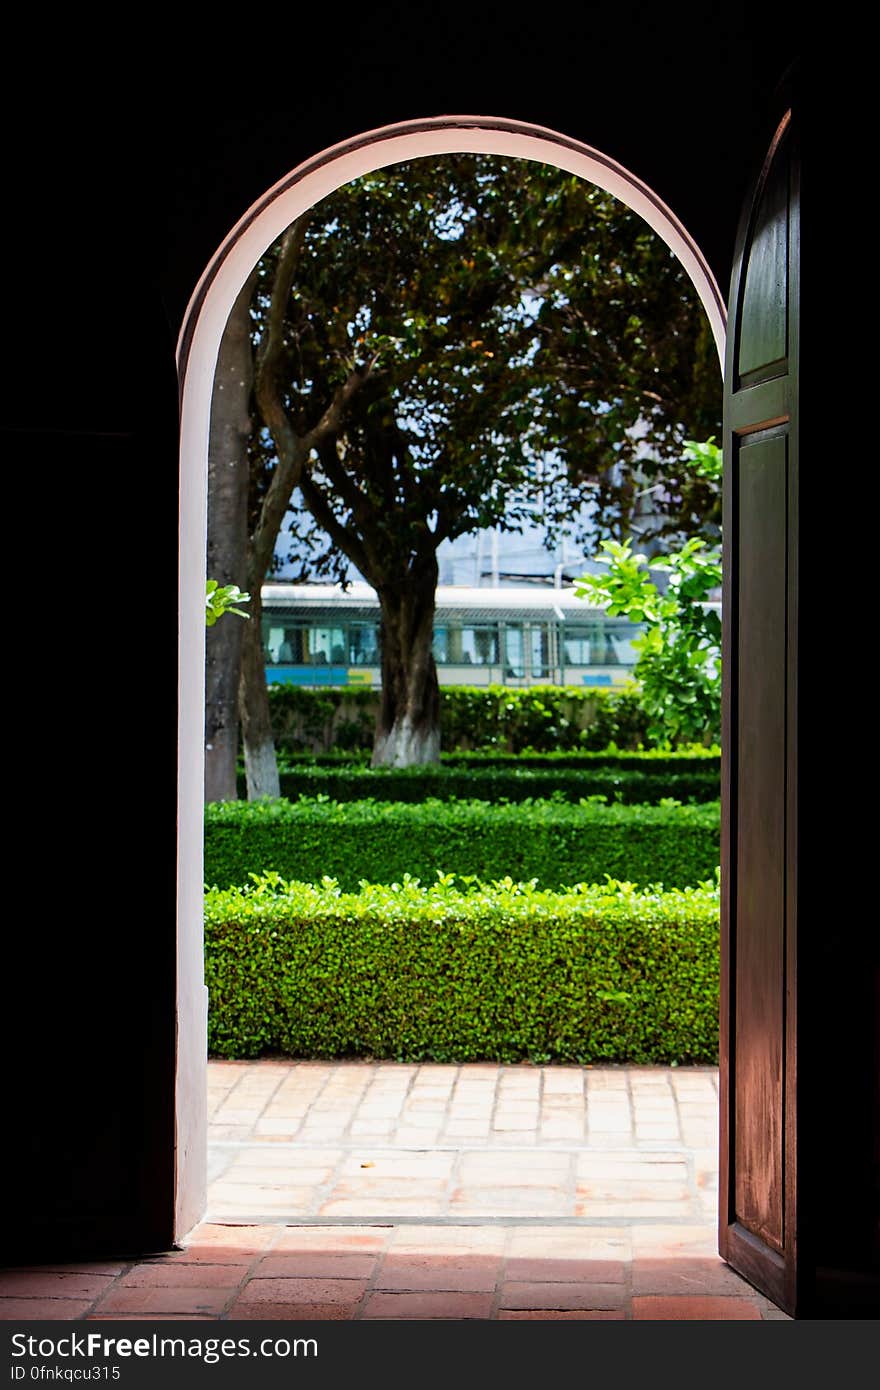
457, 974
690, 758
504, 717
504, 783
379, 842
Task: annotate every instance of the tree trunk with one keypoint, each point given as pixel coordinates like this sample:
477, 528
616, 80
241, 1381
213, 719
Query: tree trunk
408, 722
260, 764
227, 544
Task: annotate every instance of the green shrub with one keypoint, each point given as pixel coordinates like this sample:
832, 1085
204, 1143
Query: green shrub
499, 972
507, 718
322, 718
689, 758
512, 782
541, 717
381, 841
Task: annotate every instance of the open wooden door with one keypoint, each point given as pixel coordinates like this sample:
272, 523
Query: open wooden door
758, 1201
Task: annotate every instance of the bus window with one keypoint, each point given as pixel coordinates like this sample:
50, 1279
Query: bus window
326, 646
479, 646
363, 645
539, 645
578, 645
514, 651
272, 639
619, 639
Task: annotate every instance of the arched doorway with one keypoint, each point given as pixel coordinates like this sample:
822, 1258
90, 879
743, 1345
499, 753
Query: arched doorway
198, 347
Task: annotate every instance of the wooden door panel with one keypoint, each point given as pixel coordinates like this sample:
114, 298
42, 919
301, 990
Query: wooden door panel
762, 325
760, 851
757, 1226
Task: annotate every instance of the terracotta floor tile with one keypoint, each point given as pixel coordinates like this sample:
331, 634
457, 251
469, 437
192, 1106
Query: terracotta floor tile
440, 1273
192, 1299
40, 1309
196, 1255
318, 1264
56, 1284
448, 1240
111, 1267
152, 1317
669, 1241
560, 1315
555, 1269
332, 1239
175, 1275
695, 1308
677, 1276
302, 1291
428, 1305
293, 1312
580, 1294
566, 1242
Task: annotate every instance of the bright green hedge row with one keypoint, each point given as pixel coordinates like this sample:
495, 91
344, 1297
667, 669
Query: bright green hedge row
552, 842
510, 783
500, 972
542, 717
691, 758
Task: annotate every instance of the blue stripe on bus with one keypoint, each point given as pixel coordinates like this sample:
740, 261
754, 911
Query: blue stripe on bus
307, 675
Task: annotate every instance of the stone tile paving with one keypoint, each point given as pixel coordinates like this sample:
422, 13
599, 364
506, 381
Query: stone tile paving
345, 1141
378, 1190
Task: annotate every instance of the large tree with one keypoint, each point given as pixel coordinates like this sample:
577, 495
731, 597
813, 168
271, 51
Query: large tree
447, 345
231, 426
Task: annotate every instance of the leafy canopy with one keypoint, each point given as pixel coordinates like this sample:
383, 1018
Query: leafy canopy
520, 342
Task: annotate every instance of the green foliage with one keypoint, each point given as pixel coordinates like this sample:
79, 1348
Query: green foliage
553, 842
679, 658
705, 459
513, 782
547, 718
222, 598
458, 972
539, 717
322, 718
689, 757
679, 662
506, 312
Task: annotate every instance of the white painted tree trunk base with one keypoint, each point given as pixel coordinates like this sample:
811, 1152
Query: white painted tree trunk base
261, 769
405, 746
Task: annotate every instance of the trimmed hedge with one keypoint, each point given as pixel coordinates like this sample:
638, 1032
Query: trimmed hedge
487, 783
542, 717
693, 757
552, 842
508, 718
500, 972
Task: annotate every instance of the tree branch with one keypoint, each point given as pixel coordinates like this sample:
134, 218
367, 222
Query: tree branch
349, 543
291, 450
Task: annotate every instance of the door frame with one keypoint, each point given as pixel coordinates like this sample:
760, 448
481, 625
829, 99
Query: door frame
197, 350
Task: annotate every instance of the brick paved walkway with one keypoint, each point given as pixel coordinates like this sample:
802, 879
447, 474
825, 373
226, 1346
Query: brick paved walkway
379, 1190
385, 1141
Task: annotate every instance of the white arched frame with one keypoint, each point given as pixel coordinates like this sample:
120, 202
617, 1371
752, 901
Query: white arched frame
198, 348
